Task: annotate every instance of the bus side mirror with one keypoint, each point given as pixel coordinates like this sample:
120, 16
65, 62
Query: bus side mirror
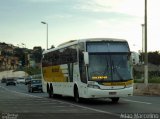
86, 58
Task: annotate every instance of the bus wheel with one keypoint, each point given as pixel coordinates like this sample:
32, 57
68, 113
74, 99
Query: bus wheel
51, 91
48, 88
76, 95
115, 99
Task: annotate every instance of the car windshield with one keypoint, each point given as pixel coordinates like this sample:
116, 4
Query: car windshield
28, 78
10, 79
21, 79
107, 67
36, 81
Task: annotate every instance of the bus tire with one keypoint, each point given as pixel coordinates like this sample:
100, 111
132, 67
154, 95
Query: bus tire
48, 88
76, 94
50, 91
115, 99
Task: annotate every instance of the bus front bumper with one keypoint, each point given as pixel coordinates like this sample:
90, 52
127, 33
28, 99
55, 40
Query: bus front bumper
99, 93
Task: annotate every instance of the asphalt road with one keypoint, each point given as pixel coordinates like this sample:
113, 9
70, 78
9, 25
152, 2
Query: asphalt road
17, 103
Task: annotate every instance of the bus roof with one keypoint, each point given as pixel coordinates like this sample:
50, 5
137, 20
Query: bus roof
72, 42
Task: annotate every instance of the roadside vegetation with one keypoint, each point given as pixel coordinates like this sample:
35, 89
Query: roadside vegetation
32, 70
153, 76
153, 68
150, 80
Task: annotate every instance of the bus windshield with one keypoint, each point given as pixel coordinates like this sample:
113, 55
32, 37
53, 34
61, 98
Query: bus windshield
109, 67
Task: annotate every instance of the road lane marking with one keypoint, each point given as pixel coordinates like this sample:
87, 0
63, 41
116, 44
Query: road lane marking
76, 105
148, 103
64, 102
96, 110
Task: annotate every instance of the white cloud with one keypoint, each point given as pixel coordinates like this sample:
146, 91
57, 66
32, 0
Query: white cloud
41, 0
129, 7
93, 5
59, 16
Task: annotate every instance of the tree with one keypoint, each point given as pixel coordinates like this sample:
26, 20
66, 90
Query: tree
153, 57
37, 54
18, 52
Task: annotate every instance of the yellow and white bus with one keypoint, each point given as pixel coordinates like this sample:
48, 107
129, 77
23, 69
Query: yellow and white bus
89, 68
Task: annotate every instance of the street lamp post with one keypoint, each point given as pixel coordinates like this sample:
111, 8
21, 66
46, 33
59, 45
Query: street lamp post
47, 32
25, 54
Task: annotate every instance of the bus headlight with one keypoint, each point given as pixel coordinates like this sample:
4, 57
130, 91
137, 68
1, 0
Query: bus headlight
93, 85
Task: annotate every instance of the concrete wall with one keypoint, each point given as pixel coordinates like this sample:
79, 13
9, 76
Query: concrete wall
10, 73
142, 89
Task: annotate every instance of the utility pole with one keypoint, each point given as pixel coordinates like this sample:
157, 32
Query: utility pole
146, 54
143, 46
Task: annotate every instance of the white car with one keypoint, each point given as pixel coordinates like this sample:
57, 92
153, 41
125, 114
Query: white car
20, 80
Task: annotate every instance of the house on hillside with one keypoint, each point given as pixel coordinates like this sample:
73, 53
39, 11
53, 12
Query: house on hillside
135, 58
8, 62
9, 49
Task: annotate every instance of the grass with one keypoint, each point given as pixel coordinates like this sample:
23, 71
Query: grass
150, 80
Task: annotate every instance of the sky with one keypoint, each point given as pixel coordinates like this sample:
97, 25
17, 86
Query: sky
20, 21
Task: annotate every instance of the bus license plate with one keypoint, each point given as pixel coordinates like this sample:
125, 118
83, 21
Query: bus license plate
112, 93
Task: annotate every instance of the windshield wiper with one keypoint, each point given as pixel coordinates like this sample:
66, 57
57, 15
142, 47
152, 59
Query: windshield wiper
114, 69
106, 70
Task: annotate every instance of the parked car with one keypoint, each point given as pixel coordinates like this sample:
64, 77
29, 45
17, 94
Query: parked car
20, 80
3, 80
10, 81
35, 85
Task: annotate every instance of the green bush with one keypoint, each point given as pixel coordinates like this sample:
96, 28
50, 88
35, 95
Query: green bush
150, 80
33, 71
154, 80
138, 81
